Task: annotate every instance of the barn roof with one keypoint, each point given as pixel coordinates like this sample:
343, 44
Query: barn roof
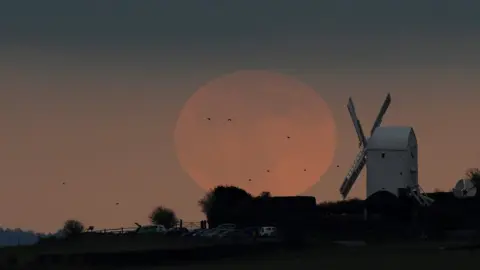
392, 138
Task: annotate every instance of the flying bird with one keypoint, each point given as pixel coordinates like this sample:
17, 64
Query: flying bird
208, 118
268, 170
304, 170
229, 119
288, 137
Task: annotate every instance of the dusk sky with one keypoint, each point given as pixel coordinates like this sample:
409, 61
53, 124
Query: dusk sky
90, 92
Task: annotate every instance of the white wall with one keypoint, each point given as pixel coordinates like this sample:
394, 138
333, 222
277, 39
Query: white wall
390, 172
413, 152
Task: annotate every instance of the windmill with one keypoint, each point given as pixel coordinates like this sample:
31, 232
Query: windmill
390, 154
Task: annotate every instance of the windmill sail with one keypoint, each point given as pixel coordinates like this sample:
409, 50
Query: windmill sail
380, 115
353, 173
356, 123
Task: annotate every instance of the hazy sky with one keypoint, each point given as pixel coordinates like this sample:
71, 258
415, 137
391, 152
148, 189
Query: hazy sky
90, 92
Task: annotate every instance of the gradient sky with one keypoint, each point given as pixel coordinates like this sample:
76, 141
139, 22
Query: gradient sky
90, 92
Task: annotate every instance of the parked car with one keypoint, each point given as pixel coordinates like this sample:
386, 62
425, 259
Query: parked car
230, 226
176, 231
222, 232
215, 232
268, 231
151, 229
190, 233
235, 234
200, 232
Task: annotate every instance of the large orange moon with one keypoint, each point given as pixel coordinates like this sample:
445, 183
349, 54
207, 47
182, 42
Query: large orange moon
257, 130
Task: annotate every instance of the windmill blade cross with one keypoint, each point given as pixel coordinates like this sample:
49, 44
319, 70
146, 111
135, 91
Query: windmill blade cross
361, 158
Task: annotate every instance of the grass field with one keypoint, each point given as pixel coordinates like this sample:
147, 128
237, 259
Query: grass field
381, 257
98, 244
426, 255
107, 244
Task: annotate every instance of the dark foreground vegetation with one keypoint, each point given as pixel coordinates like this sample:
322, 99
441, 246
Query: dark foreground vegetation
235, 220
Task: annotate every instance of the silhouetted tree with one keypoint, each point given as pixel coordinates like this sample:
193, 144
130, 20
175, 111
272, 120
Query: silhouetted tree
73, 227
163, 216
206, 203
225, 204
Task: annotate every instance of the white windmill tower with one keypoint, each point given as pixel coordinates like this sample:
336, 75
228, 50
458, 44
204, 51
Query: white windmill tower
390, 154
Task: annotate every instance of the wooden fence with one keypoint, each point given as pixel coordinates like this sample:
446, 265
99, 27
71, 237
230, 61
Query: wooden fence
189, 225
